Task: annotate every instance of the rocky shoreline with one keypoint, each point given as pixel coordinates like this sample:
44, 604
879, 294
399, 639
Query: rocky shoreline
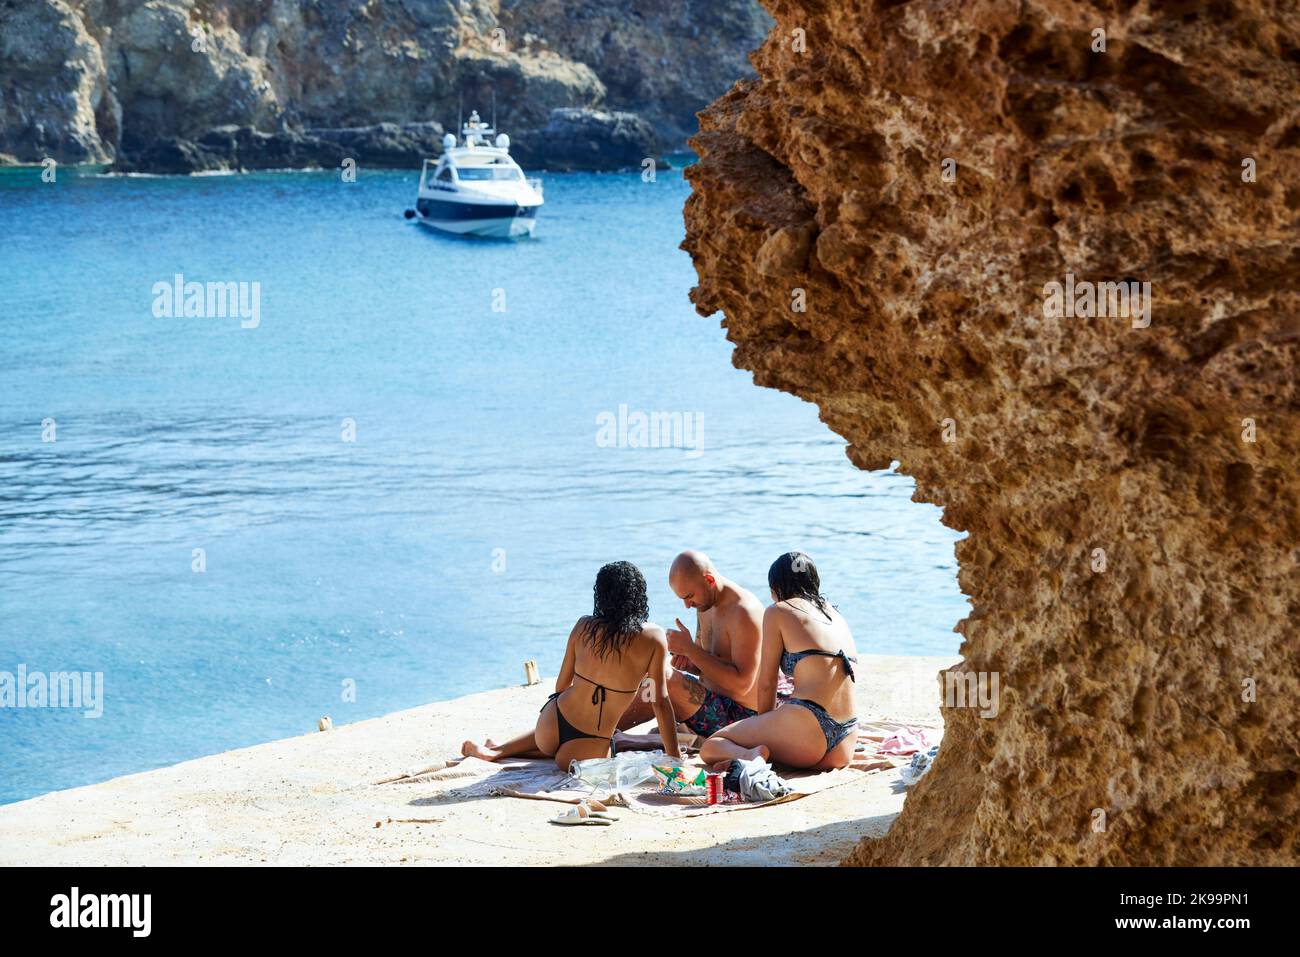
573, 140
183, 86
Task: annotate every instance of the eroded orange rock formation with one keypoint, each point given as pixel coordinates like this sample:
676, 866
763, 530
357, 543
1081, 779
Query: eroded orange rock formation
1131, 491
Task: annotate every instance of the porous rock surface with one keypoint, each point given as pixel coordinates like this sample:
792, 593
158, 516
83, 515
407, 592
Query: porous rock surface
1131, 493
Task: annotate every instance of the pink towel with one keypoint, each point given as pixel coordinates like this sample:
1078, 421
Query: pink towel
907, 741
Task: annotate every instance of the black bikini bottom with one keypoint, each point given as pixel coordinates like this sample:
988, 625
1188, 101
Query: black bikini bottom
567, 731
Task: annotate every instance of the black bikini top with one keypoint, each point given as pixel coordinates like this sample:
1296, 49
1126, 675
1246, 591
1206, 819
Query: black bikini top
598, 694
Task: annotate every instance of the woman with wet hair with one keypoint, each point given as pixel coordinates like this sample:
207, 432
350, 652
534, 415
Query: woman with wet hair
807, 638
609, 652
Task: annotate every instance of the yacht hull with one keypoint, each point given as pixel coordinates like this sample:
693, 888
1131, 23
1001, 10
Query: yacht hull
489, 220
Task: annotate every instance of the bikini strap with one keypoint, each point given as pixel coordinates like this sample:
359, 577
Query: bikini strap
599, 685
848, 662
598, 694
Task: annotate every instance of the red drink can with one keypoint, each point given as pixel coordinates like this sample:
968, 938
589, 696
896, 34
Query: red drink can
714, 786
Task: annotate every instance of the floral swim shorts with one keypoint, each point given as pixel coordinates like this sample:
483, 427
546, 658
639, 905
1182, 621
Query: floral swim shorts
716, 712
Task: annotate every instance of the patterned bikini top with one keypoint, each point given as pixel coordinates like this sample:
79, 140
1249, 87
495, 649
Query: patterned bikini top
791, 658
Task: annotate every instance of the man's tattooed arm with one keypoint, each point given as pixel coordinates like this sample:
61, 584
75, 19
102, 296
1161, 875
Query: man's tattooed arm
695, 689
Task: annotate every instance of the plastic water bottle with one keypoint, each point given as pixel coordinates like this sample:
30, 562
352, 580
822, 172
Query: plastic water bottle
624, 770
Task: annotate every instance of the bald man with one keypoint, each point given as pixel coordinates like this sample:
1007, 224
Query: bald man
713, 677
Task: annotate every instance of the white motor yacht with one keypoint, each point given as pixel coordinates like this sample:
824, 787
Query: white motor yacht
476, 188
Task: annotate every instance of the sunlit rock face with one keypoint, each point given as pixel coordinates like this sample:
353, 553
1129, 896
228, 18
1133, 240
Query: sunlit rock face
664, 60
55, 99
94, 80
938, 185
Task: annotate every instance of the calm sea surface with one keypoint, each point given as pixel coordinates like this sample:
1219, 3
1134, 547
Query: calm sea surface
456, 537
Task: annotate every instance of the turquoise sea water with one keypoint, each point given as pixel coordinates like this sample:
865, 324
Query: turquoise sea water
456, 537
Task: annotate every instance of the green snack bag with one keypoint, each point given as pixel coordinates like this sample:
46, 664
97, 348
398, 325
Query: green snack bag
674, 779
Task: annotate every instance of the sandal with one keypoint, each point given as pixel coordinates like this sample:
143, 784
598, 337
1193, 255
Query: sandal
597, 809
581, 815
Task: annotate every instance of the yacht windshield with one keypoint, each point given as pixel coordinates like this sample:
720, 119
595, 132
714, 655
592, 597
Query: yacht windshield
487, 172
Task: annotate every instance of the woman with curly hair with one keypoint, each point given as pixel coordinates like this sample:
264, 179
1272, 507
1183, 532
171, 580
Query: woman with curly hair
608, 654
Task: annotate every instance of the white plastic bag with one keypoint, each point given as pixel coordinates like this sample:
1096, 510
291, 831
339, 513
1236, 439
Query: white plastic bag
625, 770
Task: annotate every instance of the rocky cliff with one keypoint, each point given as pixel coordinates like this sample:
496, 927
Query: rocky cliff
91, 80
917, 216
665, 60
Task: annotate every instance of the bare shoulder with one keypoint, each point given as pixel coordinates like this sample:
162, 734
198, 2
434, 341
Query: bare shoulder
580, 626
750, 604
745, 606
778, 612
652, 643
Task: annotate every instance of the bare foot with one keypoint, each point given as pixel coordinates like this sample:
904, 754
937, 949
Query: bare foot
746, 754
471, 750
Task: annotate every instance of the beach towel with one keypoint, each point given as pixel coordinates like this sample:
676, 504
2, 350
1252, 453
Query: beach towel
909, 740
541, 780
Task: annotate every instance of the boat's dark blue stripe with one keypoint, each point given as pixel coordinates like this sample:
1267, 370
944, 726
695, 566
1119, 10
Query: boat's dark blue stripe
440, 209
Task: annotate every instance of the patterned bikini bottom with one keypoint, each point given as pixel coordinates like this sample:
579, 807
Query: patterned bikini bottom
835, 731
